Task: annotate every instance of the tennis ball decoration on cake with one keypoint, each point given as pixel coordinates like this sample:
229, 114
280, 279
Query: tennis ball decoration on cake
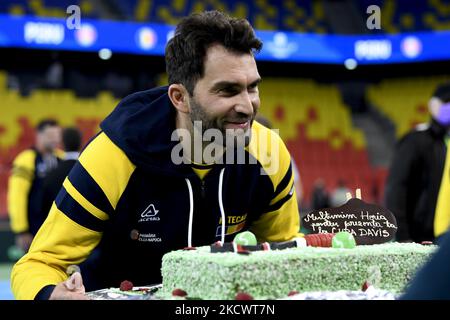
343, 239
245, 238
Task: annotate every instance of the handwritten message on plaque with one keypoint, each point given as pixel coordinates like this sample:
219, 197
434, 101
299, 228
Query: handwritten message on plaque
368, 223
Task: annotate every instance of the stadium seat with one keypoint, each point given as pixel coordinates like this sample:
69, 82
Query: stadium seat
318, 131
407, 15
21, 114
47, 8
291, 15
404, 101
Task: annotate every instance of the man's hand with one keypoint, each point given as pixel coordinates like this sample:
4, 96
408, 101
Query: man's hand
71, 289
23, 241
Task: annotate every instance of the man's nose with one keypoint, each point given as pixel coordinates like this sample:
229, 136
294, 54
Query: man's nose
244, 105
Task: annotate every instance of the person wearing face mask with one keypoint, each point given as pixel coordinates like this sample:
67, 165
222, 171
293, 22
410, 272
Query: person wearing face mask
30, 167
418, 185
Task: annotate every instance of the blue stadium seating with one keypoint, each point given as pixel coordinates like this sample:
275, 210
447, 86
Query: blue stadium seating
411, 15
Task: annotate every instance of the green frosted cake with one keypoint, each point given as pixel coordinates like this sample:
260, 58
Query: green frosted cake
273, 274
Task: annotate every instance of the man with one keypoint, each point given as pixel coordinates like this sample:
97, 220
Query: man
24, 187
418, 185
71, 139
130, 197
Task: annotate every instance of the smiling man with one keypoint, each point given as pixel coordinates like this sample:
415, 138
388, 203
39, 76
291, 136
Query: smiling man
127, 202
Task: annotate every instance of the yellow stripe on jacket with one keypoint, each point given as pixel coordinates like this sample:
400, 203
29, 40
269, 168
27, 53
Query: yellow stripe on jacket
268, 148
19, 186
442, 215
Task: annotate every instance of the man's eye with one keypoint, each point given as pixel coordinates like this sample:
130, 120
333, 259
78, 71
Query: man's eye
229, 92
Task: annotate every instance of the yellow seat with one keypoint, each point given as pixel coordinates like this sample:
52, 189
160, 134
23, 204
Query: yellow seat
405, 100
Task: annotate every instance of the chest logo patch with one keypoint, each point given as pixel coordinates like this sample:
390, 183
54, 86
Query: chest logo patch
149, 214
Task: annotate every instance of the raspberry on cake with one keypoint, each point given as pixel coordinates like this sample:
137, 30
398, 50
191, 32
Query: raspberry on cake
126, 285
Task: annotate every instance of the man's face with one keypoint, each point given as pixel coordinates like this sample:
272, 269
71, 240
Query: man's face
49, 138
227, 96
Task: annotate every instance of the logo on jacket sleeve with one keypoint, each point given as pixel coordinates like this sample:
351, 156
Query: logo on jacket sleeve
149, 214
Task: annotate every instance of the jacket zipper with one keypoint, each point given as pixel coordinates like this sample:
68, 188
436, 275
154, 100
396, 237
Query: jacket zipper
203, 189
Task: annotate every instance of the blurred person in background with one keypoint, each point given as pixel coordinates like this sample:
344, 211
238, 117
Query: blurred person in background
71, 139
30, 167
418, 184
339, 195
320, 198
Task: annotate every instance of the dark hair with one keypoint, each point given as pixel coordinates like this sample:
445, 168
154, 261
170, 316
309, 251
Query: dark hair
71, 138
443, 92
185, 52
43, 124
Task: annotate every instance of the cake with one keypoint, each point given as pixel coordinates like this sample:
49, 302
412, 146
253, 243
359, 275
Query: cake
350, 254
273, 274
350, 248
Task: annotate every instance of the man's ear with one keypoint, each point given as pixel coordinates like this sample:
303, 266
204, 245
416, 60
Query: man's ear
178, 95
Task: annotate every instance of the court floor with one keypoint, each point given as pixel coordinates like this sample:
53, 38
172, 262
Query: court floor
5, 290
